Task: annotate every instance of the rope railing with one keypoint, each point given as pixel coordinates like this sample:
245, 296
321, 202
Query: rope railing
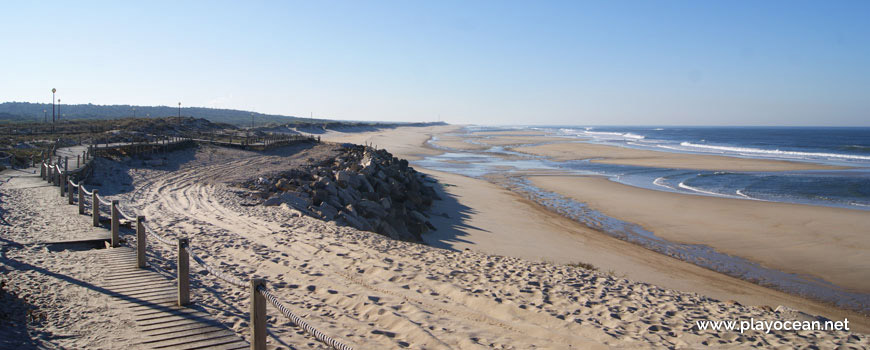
258, 289
335, 344
103, 202
158, 237
128, 217
214, 271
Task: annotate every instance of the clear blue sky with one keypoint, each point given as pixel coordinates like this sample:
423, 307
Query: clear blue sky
498, 62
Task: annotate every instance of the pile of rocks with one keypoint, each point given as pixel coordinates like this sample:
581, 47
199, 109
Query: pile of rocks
365, 188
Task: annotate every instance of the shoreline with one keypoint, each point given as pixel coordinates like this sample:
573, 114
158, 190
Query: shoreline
609, 255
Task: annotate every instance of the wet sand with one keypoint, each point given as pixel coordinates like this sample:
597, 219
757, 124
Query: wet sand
627, 156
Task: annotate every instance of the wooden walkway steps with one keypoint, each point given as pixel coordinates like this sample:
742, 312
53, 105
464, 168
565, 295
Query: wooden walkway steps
153, 300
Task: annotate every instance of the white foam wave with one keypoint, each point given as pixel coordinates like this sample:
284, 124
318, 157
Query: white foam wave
661, 182
776, 152
609, 134
859, 204
748, 197
695, 189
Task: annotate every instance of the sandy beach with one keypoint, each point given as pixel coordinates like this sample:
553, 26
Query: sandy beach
501, 222
827, 243
500, 271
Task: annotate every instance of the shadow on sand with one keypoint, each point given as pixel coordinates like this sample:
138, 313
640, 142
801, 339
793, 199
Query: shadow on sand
449, 218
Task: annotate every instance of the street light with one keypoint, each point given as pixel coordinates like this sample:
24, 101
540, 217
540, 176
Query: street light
58, 109
44, 116
53, 90
134, 112
179, 109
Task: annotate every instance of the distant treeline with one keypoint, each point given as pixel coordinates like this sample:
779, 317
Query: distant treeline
33, 112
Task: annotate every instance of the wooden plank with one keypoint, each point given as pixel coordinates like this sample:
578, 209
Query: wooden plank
152, 298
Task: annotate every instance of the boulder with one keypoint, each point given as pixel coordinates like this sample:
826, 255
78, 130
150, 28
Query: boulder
273, 202
371, 208
385, 203
345, 196
284, 185
326, 211
416, 215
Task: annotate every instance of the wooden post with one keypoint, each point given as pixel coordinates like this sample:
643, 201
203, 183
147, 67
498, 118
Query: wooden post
183, 276
115, 224
96, 208
258, 316
60, 183
81, 199
42, 171
78, 161
69, 194
65, 164
140, 241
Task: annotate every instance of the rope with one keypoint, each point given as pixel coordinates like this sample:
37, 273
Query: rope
86, 191
100, 198
155, 235
73, 183
214, 271
335, 344
128, 217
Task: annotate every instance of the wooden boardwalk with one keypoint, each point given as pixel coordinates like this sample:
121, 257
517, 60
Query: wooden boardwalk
153, 300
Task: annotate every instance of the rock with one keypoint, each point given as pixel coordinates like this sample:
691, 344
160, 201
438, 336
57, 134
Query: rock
272, 202
365, 185
290, 199
385, 203
284, 185
354, 221
326, 211
416, 215
386, 229
371, 208
319, 196
343, 176
345, 196
291, 212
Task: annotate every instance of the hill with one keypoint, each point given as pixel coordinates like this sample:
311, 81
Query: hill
33, 112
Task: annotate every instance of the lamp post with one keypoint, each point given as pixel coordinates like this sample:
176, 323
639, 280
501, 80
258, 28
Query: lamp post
134, 112
44, 116
58, 110
179, 109
53, 90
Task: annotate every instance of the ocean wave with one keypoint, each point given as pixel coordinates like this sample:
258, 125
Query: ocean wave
695, 189
661, 182
775, 152
626, 135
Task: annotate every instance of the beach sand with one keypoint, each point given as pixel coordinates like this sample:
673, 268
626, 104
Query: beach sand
827, 243
511, 289
628, 156
498, 221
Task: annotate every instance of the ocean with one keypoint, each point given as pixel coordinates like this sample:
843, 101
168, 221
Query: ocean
847, 188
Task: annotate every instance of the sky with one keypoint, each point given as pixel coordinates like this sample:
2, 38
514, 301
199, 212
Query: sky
465, 62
